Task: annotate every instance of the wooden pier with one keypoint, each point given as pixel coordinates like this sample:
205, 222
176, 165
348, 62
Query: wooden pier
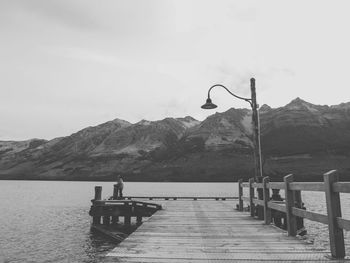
213, 230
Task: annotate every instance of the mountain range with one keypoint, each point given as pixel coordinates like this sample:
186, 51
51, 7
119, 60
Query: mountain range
300, 138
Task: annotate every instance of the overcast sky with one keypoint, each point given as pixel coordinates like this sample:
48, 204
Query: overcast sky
69, 64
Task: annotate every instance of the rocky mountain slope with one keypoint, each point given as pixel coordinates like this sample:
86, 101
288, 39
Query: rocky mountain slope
299, 138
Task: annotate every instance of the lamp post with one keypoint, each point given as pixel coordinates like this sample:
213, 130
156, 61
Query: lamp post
255, 121
256, 134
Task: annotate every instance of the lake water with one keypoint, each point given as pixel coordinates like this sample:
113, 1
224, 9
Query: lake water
48, 221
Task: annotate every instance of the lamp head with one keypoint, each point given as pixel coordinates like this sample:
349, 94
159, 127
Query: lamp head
208, 105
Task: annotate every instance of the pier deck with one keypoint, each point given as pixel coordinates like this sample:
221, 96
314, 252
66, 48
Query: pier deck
211, 231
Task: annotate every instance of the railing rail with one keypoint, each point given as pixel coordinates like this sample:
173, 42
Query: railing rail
291, 205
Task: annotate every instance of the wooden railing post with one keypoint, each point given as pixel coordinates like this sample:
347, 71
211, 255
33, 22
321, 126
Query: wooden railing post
115, 192
251, 197
300, 220
291, 219
96, 220
260, 195
115, 219
240, 194
266, 194
336, 235
106, 220
127, 216
98, 193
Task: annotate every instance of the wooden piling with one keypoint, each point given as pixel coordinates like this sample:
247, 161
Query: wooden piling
98, 193
115, 192
127, 216
115, 219
291, 219
336, 235
106, 220
266, 194
127, 220
96, 220
240, 194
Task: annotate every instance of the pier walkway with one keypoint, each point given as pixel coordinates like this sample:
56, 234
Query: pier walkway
211, 231
216, 229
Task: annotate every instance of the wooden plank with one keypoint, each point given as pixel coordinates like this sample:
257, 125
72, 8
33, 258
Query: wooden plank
171, 260
223, 256
223, 198
245, 199
336, 234
274, 185
125, 202
258, 185
307, 186
116, 235
258, 202
343, 223
188, 231
279, 206
310, 215
204, 250
206, 235
222, 248
210, 244
341, 187
287, 248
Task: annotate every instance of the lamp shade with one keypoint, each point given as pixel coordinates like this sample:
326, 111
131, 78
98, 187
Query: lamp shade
208, 105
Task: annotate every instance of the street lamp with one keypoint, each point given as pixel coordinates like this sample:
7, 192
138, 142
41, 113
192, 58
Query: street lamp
255, 121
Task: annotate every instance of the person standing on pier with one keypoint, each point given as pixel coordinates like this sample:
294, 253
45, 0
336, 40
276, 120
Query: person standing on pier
120, 187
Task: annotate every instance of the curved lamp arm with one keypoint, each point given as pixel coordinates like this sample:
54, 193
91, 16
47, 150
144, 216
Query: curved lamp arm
234, 95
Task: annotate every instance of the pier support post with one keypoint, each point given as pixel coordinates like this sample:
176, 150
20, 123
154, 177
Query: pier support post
251, 197
127, 220
266, 193
127, 216
98, 193
115, 192
106, 220
336, 235
115, 219
291, 219
96, 220
240, 194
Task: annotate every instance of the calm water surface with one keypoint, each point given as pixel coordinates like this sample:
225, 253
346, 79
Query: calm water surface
48, 221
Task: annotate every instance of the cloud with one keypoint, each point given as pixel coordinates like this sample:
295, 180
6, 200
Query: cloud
67, 64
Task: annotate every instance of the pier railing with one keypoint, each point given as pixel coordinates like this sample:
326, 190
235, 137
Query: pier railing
291, 206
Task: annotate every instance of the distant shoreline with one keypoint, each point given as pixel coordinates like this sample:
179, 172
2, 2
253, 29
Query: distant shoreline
147, 181
136, 181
